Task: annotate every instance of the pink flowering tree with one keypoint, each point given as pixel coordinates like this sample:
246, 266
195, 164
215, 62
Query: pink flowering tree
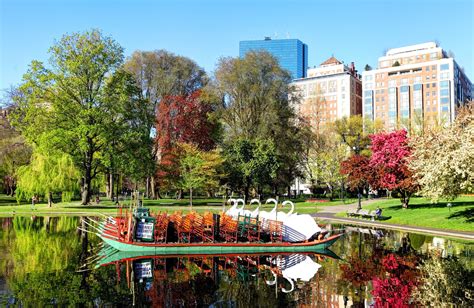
396, 282
390, 152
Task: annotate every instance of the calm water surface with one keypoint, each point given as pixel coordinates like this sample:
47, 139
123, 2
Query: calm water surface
48, 262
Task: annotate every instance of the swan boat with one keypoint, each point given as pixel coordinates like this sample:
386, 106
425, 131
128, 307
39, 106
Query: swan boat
175, 234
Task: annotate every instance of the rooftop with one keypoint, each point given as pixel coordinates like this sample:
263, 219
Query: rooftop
331, 61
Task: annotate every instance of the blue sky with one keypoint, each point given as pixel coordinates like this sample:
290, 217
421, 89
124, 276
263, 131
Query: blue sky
358, 31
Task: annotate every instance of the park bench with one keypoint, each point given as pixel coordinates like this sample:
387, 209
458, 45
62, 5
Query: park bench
362, 214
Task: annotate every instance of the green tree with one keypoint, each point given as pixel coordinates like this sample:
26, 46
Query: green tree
14, 152
354, 131
258, 102
129, 149
325, 165
47, 174
67, 106
256, 93
251, 164
198, 169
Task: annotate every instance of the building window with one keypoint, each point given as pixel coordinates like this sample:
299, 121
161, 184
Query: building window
427, 68
433, 67
433, 93
444, 67
433, 84
427, 85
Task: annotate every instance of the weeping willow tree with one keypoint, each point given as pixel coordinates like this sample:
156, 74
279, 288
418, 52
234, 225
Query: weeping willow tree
48, 174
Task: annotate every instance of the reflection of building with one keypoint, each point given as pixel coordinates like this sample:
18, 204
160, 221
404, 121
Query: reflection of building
415, 84
292, 54
331, 91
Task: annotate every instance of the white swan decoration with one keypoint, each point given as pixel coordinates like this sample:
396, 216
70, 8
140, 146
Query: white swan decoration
255, 212
303, 270
296, 227
233, 208
283, 216
272, 213
299, 228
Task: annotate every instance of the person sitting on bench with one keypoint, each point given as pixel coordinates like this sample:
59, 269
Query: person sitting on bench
378, 212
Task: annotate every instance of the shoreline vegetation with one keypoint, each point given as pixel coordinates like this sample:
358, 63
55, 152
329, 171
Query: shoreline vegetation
422, 213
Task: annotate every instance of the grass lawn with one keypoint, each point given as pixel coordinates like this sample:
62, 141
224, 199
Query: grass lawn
421, 212
9, 206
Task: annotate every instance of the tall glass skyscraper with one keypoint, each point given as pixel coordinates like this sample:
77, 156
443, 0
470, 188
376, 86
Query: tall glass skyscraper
292, 54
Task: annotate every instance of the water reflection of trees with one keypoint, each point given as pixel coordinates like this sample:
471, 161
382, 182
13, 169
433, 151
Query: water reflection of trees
43, 258
392, 271
40, 257
445, 282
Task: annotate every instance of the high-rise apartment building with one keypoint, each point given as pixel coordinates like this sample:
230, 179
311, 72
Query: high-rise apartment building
415, 85
292, 54
331, 91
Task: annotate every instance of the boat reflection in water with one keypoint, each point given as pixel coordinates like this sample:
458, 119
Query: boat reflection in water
215, 280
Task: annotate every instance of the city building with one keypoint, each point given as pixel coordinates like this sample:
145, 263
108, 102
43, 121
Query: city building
331, 91
415, 85
292, 54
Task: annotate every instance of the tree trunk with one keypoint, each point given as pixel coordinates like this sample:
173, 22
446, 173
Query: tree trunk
289, 191
330, 191
109, 191
405, 199
86, 185
50, 199
47, 224
359, 203
191, 198
117, 191
147, 187
153, 191
246, 192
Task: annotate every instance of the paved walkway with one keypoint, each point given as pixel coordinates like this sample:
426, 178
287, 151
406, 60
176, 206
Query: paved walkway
329, 213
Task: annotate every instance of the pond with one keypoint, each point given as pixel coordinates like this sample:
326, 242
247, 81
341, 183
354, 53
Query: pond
47, 261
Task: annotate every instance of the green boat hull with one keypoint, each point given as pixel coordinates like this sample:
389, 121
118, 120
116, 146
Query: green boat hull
112, 255
217, 249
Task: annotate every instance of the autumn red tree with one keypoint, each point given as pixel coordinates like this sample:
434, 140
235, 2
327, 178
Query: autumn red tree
390, 152
360, 174
182, 119
185, 119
